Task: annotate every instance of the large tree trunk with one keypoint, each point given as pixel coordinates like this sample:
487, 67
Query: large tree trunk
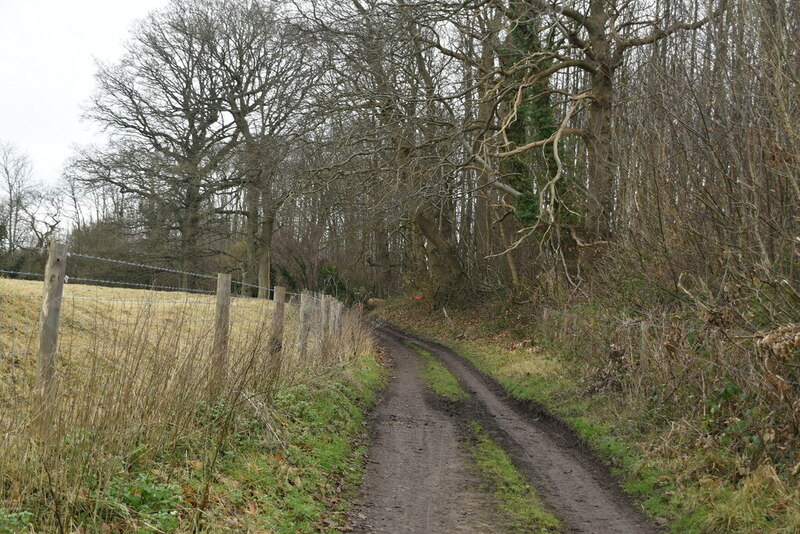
190, 234
251, 234
265, 253
447, 269
600, 201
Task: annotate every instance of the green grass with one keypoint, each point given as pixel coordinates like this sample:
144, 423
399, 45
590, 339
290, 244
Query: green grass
12, 522
518, 506
538, 380
438, 378
300, 480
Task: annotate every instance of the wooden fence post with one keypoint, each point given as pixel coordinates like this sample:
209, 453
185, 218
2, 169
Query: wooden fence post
275, 344
340, 318
334, 318
325, 325
333, 306
276, 335
49, 319
331, 326
222, 319
305, 326
337, 317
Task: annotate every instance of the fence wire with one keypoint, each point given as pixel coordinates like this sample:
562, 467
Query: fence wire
137, 285
104, 328
19, 353
22, 273
140, 265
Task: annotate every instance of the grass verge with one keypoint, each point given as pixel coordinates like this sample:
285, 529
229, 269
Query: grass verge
298, 479
284, 470
133, 439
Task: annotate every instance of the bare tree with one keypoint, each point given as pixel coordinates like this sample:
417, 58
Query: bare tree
267, 73
17, 189
161, 107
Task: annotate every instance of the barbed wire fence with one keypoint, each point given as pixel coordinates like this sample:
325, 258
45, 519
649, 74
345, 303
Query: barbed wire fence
179, 318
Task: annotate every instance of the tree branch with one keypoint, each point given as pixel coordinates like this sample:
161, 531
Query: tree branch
659, 33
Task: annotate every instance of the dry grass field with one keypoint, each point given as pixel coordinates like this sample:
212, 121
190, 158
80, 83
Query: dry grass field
102, 325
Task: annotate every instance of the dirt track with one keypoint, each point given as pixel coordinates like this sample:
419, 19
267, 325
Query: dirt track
418, 479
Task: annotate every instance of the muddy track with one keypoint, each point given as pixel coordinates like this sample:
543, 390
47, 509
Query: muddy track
417, 479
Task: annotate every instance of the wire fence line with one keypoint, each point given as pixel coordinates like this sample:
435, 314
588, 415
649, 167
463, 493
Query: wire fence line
137, 285
130, 323
254, 286
22, 273
315, 316
154, 268
140, 285
19, 353
161, 269
135, 301
141, 265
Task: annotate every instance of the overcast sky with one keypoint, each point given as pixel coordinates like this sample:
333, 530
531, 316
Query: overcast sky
47, 51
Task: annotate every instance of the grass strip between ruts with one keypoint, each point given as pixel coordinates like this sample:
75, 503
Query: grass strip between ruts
437, 377
519, 506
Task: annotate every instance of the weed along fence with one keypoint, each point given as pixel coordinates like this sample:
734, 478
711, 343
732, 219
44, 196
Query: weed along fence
113, 358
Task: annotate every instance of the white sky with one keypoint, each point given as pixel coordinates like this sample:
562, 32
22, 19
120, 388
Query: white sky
47, 64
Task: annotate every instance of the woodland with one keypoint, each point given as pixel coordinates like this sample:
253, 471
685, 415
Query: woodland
504, 147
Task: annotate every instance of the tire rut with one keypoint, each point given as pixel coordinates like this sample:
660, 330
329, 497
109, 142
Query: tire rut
571, 482
417, 478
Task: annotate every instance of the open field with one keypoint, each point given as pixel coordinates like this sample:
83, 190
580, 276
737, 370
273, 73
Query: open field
110, 336
99, 325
